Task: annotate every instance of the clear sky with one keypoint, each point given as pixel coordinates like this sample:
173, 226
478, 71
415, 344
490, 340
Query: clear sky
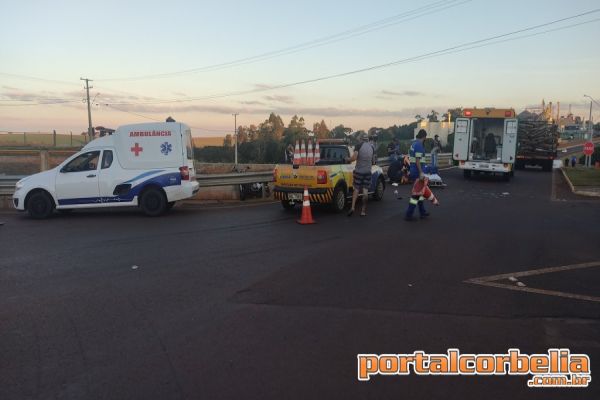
61, 41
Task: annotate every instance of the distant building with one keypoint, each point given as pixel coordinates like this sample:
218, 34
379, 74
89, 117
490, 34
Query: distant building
442, 129
570, 122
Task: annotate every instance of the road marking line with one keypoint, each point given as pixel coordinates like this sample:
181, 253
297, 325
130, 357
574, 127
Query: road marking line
490, 281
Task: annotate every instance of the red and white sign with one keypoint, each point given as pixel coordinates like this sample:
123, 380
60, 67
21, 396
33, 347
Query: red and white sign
588, 148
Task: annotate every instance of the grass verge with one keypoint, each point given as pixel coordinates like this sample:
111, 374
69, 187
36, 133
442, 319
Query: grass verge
580, 176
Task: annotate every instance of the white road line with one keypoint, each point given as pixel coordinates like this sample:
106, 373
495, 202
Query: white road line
490, 281
539, 291
536, 272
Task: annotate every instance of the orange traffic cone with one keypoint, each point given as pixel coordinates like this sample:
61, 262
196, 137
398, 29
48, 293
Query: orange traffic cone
302, 153
317, 153
297, 154
310, 157
306, 217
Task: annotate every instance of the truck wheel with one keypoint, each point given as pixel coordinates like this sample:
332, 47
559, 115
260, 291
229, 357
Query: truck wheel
467, 174
287, 205
379, 189
40, 205
547, 166
519, 164
338, 202
153, 202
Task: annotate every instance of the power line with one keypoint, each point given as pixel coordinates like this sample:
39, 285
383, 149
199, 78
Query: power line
33, 78
449, 50
361, 30
157, 120
41, 103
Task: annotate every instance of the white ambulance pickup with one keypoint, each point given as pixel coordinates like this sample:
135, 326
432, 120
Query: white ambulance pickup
147, 165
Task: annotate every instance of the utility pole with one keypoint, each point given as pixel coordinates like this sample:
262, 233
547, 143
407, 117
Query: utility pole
87, 88
235, 133
590, 128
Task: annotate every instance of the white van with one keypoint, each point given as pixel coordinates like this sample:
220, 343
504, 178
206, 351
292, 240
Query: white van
147, 165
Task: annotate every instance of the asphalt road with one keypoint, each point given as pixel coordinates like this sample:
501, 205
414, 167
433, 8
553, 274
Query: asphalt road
243, 303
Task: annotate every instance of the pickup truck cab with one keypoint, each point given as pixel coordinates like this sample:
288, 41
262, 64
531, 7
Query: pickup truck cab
329, 181
147, 165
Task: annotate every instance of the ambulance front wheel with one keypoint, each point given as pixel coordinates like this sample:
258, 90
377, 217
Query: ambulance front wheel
39, 205
153, 202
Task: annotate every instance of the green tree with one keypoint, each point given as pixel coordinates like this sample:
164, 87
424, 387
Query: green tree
242, 134
454, 113
228, 140
320, 130
341, 132
433, 116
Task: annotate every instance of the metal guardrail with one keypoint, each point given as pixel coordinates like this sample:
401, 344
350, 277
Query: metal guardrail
7, 182
234, 179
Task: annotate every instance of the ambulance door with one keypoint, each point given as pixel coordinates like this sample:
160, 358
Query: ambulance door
462, 129
509, 141
77, 180
111, 177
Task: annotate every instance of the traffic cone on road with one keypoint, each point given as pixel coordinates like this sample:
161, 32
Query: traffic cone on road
297, 154
306, 217
317, 153
310, 157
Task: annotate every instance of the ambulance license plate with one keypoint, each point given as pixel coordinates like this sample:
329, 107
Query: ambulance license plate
295, 196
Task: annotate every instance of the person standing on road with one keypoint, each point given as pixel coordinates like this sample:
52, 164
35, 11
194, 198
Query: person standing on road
364, 154
416, 153
393, 150
289, 154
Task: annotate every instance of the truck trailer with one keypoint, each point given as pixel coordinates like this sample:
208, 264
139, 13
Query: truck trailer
537, 144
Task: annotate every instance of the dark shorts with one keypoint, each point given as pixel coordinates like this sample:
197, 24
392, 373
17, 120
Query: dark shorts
361, 181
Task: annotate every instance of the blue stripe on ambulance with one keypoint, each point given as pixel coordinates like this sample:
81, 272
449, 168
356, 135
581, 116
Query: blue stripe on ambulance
171, 179
145, 174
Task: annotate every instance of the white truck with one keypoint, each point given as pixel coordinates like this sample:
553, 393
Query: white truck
147, 165
485, 141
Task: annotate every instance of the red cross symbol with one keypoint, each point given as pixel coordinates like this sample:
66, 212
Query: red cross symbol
137, 149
